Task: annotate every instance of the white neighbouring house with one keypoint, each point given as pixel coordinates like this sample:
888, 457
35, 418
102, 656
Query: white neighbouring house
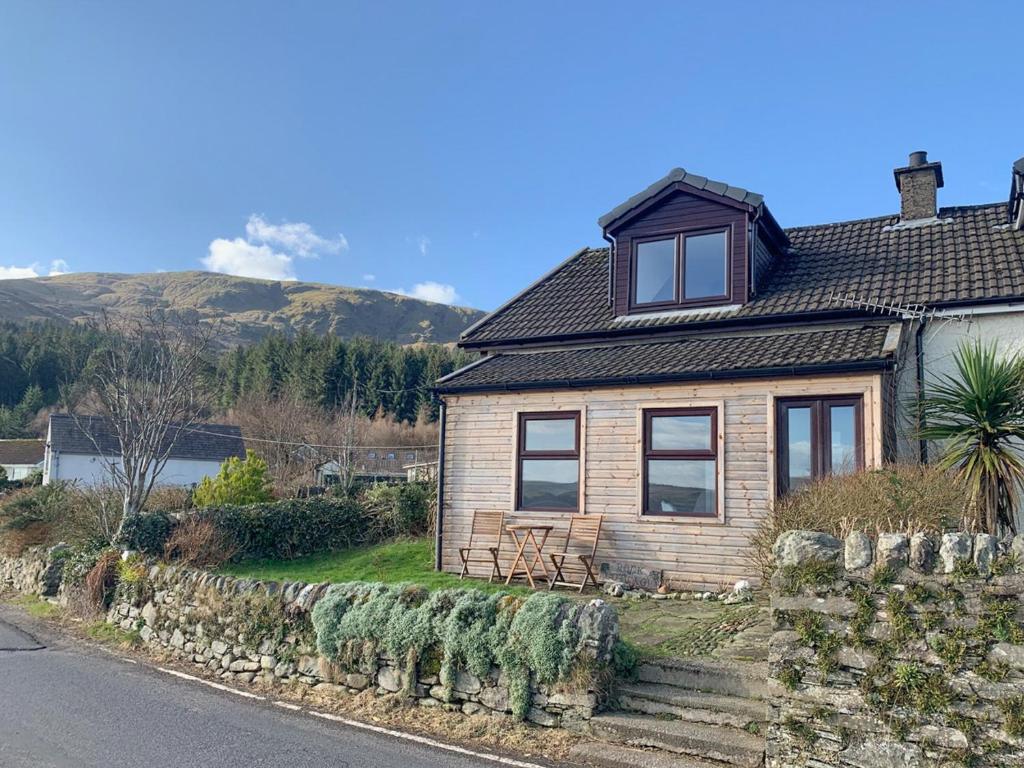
20, 458
72, 454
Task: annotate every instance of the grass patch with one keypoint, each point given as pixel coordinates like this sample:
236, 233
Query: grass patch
405, 560
36, 606
109, 634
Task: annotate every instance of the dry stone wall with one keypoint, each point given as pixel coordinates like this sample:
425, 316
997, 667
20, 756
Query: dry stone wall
246, 631
897, 651
243, 631
37, 571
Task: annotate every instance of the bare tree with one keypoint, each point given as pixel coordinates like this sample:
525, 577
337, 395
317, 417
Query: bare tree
144, 388
294, 437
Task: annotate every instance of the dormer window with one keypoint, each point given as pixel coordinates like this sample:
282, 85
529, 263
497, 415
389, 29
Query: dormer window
688, 268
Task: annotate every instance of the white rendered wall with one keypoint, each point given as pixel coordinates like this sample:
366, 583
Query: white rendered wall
91, 470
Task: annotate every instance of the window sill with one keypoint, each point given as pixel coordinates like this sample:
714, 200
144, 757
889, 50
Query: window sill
716, 519
681, 312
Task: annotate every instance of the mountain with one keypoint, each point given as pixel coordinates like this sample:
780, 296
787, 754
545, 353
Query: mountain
245, 309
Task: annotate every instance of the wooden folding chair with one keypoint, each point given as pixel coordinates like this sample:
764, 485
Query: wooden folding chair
484, 536
579, 552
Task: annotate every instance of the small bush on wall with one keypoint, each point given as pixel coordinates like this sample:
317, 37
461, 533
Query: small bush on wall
907, 498
537, 637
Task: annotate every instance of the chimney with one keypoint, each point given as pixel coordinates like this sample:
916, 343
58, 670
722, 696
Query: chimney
918, 183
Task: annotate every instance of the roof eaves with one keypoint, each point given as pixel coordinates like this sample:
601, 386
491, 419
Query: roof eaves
876, 363
464, 336
466, 368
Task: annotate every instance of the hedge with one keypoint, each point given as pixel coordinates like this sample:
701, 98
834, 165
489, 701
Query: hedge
271, 531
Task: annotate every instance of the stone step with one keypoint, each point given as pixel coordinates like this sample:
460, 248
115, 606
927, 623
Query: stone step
605, 755
726, 745
692, 706
731, 678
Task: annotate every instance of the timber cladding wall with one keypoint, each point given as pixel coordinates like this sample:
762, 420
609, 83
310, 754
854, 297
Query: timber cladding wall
705, 553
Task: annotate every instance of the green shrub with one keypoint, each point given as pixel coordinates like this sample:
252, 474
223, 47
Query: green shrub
146, 533
240, 481
289, 528
271, 531
897, 497
30, 516
405, 509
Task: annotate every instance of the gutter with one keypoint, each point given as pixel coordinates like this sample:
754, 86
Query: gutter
856, 366
439, 518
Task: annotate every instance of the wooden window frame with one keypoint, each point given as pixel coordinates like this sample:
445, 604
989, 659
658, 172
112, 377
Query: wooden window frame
821, 429
523, 454
679, 265
648, 453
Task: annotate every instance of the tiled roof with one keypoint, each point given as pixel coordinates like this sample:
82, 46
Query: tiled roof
688, 359
21, 451
203, 442
680, 175
968, 254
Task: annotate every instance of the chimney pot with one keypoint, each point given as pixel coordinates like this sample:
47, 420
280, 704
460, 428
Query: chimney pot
918, 184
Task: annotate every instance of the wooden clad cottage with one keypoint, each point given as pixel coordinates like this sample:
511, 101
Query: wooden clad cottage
709, 360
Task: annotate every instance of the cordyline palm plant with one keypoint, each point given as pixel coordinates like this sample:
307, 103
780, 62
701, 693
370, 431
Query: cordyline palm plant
978, 416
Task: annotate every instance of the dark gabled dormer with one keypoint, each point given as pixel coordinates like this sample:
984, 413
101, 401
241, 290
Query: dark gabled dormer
685, 243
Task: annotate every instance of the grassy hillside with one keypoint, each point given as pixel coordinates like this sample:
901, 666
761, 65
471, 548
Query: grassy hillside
246, 309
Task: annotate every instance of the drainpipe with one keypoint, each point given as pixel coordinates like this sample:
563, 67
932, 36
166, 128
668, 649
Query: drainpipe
919, 345
611, 268
439, 521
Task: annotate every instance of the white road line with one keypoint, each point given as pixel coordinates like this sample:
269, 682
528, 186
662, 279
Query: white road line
211, 684
424, 740
357, 724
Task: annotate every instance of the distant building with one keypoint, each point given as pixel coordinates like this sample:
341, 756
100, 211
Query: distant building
85, 456
20, 458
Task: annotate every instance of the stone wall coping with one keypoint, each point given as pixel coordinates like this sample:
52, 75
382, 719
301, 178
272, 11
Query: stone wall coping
925, 553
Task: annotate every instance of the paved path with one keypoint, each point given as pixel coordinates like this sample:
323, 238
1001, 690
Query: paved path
64, 704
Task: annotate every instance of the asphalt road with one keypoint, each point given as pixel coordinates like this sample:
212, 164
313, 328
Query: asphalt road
65, 704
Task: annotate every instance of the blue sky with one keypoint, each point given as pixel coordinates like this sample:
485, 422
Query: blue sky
460, 150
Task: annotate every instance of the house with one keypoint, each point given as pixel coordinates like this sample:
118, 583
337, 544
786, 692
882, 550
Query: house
710, 359
376, 463
82, 451
20, 458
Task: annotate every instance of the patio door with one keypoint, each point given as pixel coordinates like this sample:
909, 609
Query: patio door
816, 437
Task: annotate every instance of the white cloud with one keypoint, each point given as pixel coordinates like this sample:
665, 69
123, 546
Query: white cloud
268, 251
297, 238
57, 267
242, 258
441, 293
369, 278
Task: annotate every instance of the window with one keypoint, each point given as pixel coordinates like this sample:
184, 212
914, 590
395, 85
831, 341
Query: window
548, 462
817, 437
656, 271
680, 464
410, 456
371, 455
687, 268
391, 455
704, 258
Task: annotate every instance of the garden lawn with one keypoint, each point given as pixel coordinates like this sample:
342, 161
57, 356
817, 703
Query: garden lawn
392, 562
